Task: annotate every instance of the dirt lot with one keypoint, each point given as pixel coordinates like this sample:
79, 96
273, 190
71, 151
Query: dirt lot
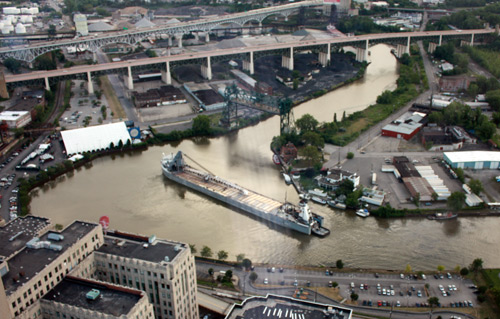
341, 69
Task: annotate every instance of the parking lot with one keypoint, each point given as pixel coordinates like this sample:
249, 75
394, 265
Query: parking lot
377, 290
85, 108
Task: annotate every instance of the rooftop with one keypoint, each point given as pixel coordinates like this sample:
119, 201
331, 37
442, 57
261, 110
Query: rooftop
28, 262
472, 156
277, 307
112, 300
19, 231
139, 247
12, 115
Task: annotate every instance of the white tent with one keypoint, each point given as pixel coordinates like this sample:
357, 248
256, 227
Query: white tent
94, 138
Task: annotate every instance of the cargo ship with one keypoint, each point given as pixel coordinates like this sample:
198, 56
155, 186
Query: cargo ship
295, 217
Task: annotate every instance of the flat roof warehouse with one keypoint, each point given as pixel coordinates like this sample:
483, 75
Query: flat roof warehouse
94, 138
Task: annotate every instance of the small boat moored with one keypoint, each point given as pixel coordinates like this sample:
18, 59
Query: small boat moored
318, 200
442, 216
334, 204
363, 212
276, 159
287, 178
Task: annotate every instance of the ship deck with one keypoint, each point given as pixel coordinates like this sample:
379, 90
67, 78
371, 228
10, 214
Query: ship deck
260, 202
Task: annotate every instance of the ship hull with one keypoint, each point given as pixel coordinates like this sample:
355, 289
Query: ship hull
301, 228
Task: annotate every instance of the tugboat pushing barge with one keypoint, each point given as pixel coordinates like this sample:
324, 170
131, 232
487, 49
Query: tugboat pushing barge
298, 218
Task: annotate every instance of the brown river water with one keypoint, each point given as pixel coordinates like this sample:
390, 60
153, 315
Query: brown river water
131, 190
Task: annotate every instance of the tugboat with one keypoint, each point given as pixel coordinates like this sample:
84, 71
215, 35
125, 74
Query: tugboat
442, 216
335, 204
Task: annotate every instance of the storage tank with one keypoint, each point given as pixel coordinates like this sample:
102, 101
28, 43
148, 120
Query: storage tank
11, 10
20, 28
7, 29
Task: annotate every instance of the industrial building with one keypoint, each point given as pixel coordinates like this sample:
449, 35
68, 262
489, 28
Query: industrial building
15, 119
165, 95
275, 307
81, 24
81, 273
94, 138
473, 159
405, 127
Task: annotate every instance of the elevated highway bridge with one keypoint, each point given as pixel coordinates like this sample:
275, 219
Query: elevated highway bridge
29, 52
323, 47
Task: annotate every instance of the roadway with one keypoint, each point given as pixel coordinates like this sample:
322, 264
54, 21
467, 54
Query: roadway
346, 41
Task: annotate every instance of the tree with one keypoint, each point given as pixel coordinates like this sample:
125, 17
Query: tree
313, 138
306, 123
440, 268
52, 30
12, 65
253, 276
486, 130
222, 255
493, 99
345, 187
455, 201
228, 276
433, 301
476, 265
201, 125
247, 263
339, 264
211, 272
408, 269
311, 154
240, 257
350, 155
335, 284
476, 186
206, 252
192, 247
59, 227
354, 296
464, 271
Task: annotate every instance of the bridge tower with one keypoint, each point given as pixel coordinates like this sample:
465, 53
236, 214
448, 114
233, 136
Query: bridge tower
231, 94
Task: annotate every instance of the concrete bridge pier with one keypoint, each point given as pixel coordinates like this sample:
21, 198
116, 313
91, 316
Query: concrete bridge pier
362, 53
90, 85
248, 64
179, 39
129, 81
165, 74
196, 36
432, 47
47, 85
324, 57
4, 93
287, 60
400, 50
207, 37
440, 40
169, 40
206, 69
94, 56
471, 43
30, 65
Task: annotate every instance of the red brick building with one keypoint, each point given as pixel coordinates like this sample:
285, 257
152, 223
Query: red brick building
288, 152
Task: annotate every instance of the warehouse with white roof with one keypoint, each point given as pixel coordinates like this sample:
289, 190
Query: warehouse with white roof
94, 138
473, 159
